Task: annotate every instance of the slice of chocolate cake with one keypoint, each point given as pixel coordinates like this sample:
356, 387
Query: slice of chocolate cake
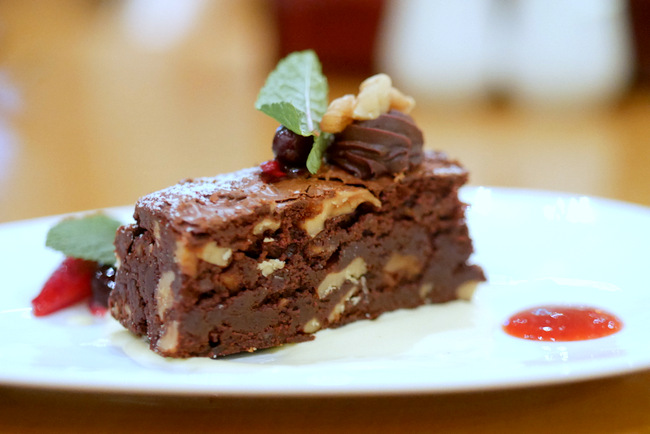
268, 256
222, 265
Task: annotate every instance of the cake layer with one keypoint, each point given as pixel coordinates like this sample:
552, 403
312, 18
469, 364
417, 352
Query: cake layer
217, 266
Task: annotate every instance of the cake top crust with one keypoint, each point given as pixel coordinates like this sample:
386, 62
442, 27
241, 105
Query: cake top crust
196, 203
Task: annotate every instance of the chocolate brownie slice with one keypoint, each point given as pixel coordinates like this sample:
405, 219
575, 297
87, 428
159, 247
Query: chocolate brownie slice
217, 266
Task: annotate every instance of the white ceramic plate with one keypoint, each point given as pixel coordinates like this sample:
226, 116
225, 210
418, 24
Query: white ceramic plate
537, 248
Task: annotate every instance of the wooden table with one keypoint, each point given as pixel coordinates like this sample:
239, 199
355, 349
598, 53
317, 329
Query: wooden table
616, 405
93, 114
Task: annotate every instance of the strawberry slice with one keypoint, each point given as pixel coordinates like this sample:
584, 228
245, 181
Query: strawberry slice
69, 284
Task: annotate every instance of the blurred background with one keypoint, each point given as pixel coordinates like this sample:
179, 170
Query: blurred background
102, 102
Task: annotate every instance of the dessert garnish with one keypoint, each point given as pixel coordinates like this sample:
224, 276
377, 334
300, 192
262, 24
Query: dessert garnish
376, 97
88, 268
272, 171
295, 94
388, 145
368, 135
374, 135
69, 284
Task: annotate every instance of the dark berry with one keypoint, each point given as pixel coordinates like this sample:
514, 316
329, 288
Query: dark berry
291, 149
102, 284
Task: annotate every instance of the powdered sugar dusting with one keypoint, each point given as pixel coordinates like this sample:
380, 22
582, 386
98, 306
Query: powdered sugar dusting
449, 170
214, 201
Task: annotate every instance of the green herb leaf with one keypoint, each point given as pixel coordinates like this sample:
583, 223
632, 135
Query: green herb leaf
90, 237
315, 156
295, 93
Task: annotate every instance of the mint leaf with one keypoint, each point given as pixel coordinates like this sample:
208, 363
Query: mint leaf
90, 237
315, 157
295, 93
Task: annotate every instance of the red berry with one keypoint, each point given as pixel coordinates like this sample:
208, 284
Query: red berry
272, 171
68, 284
97, 309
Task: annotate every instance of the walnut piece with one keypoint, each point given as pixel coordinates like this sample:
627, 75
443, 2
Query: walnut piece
344, 202
332, 281
466, 290
425, 290
338, 114
312, 326
267, 224
188, 257
339, 308
185, 258
401, 102
164, 295
376, 97
168, 342
409, 265
216, 255
270, 266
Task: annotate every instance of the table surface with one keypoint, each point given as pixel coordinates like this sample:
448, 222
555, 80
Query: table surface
89, 119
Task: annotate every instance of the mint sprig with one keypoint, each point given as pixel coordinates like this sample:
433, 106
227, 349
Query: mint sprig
296, 95
90, 237
315, 157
